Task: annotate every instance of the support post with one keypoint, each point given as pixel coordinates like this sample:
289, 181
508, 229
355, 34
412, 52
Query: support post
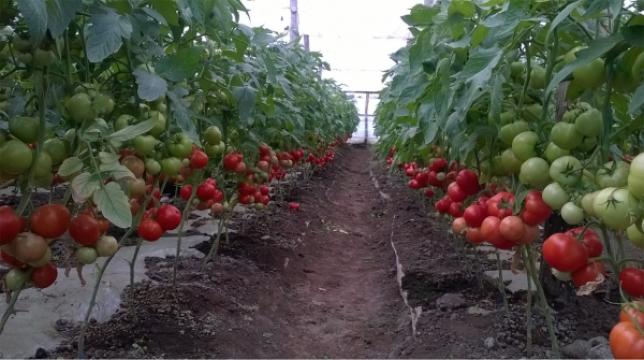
306, 43
294, 30
366, 119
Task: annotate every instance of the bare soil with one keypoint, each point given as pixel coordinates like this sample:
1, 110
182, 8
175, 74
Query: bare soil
322, 282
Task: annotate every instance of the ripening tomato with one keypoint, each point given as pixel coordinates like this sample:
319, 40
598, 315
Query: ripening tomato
474, 235
512, 228
459, 226
633, 312
150, 230
562, 252
632, 281
588, 273
85, 230
169, 217
50, 221
491, 233
626, 341
10, 224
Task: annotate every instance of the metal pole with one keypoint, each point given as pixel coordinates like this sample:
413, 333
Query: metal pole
294, 30
366, 119
306, 43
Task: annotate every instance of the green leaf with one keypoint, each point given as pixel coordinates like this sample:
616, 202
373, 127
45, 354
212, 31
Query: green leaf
108, 158
637, 101
60, 13
132, 131
634, 35
150, 86
181, 114
563, 14
114, 205
105, 33
421, 15
35, 14
84, 185
245, 97
168, 9
116, 170
70, 166
182, 65
596, 49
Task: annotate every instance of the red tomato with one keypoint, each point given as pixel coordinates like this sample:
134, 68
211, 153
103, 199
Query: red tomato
44, 276
206, 191
231, 161
468, 181
10, 225
169, 217
456, 209
588, 273
293, 206
491, 233
438, 164
475, 214
413, 184
626, 341
185, 192
10, 260
564, 253
500, 205
455, 193
50, 221
632, 281
422, 178
531, 235
443, 204
429, 193
150, 230
633, 312
538, 209
590, 240
512, 229
85, 230
432, 179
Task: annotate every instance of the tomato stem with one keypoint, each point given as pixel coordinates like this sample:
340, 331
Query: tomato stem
10, 308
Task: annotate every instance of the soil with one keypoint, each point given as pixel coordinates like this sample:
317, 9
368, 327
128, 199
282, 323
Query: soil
325, 281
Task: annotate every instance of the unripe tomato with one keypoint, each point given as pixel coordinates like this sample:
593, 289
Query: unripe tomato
106, 246
15, 279
86, 255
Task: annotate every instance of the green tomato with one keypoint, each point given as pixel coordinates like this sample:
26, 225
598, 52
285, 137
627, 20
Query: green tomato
180, 145
566, 170
44, 181
590, 123
70, 136
637, 71
43, 58
533, 111
159, 123
555, 196
15, 279
612, 206
588, 144
170, 166
3, 137
554, 152
103, 104
534, 172
637, 165
124, 121
509, 131
591, 75
613, 174
106, 246
517, 69
510, 163
538, 77
152, 167
635, 236
497, 166
43, 165
565, 136
636, 185
588, 201
212, 135
523, 145
86, 255
572, 214
57, 150
15, 158
25, 128
80, 108
144, 144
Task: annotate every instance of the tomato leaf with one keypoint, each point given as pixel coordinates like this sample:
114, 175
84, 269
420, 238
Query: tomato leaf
115, 170
108, 158
60, 13
105, 33
150, 86
634, 35
70, 166
182, 65
421, 15
114, 205
246, 97
84, 185
35, 15
563, 14
637, 101
181, 114
132, 131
